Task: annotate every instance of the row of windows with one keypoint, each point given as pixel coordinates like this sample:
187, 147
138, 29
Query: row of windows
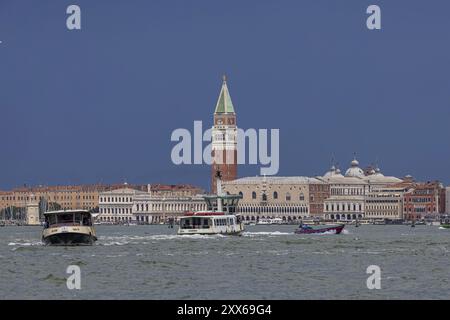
273, 209
150, 219
319, 187
115, 219
288, 197
368, 208
222, 222
421, 200
380, 214
382, 201
116, 199
23, 198
171, 206
346, 191
420, 209
116, 210
343, 207
256, 218
345, 217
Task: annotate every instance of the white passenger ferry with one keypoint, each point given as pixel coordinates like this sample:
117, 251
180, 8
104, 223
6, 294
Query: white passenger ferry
220, 218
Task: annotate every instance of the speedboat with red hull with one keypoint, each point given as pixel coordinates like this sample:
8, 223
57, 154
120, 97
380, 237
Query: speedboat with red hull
307, 229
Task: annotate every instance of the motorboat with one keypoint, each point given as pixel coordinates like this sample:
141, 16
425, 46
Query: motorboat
68, 227
445, 222
307, 229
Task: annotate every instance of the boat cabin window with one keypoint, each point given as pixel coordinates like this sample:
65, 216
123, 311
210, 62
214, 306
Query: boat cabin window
194, 223
51, 219
65, 218
77, 218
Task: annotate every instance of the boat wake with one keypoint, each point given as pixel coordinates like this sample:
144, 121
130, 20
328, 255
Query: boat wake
26, 244
124, 240
263, 233
329, 232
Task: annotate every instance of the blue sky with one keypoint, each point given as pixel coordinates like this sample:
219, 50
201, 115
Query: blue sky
99, 104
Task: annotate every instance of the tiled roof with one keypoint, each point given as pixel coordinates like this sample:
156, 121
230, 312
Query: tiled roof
274, 180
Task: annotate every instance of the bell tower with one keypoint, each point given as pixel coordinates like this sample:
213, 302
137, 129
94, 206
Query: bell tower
224, 139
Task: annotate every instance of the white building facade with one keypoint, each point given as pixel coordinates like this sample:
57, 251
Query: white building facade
151, 209
385, 203
116, 206
348, 193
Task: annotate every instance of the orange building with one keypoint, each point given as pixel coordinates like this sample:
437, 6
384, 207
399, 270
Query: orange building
424, 199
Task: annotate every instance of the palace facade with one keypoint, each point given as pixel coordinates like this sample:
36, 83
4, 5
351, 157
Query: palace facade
288, 198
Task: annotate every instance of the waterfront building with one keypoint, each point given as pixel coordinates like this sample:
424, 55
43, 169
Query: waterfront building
156, 204
346, 201
288, 198
447, 200
385, 203
116, 206
63, 197
151, 208
224, 139
348, 192
424, 201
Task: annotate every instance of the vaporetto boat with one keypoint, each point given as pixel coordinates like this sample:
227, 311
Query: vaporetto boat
68, 227
204, 222
220, 218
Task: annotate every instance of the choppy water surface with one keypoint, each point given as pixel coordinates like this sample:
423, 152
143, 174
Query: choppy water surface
267, 262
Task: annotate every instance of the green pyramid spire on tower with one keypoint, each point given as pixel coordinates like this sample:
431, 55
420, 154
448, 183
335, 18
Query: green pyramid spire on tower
224, 104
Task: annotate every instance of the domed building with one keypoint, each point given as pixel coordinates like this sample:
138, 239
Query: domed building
354, 170
348, 192
333, 172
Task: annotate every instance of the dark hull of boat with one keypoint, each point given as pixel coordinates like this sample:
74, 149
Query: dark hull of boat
335, 229
69, 239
